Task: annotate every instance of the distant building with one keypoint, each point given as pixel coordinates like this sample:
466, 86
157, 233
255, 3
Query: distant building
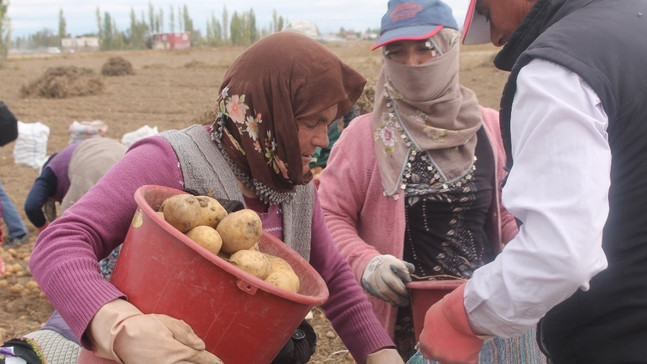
171, 40
80, 44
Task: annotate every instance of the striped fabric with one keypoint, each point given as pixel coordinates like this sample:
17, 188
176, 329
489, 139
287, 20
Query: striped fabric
518, 350
56, 348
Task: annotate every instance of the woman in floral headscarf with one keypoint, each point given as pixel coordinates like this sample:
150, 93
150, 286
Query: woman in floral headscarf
275, 104
420, 196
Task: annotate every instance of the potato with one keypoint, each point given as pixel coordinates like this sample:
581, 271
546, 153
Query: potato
282, 274
252, 262
284, 279
207, 237
212, 211
278, 263
240, 230
182, 211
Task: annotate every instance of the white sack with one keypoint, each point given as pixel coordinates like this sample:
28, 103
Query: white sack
86, 129
145, 131
30, 148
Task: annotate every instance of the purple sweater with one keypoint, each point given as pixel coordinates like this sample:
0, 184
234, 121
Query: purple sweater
65, 257
59, 164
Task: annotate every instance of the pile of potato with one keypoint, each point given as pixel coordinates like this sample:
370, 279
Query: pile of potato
232, 236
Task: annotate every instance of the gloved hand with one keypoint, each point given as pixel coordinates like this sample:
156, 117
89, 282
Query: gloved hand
120, 332
446, 335
384, 277
384, 356
49, 210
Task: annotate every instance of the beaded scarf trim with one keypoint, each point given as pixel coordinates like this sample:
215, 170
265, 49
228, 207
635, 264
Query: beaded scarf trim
393, 127
263, 191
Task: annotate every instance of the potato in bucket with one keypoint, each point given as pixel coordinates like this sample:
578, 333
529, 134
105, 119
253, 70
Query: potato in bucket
240, 230
163, 271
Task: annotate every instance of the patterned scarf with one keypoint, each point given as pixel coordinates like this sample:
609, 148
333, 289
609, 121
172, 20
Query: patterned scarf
424, 109
281, 78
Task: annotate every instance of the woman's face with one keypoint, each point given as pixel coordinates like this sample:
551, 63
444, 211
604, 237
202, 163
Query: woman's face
410, 52
313, 133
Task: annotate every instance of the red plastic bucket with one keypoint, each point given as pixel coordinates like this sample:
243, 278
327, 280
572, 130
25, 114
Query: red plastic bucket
423, 294
241, 318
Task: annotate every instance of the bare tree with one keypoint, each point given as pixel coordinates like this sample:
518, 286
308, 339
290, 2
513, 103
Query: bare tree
62, 25
153, 25
171, 19
225, 23
5, 32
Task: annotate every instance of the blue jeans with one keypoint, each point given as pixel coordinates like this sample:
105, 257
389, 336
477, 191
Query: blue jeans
10, 215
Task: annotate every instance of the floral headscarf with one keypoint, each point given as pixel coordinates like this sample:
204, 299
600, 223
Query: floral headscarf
281, 78
423, 108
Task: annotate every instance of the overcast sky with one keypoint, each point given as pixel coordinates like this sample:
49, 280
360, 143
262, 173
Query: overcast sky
30, 16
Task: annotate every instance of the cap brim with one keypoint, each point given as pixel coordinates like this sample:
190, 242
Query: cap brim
476, 29
408, 33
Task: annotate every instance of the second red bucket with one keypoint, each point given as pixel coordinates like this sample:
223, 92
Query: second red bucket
241, 318
423, 294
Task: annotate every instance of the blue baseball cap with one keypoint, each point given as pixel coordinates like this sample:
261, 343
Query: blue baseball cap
414, 20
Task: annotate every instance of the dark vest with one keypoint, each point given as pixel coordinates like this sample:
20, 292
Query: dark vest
605, 43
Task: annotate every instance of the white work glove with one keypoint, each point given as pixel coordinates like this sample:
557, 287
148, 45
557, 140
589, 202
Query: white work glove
120, 332
384, 278
384, 356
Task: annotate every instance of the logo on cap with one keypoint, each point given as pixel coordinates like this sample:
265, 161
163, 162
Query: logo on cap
405, 11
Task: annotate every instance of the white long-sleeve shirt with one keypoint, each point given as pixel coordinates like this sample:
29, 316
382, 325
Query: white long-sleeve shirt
558, 188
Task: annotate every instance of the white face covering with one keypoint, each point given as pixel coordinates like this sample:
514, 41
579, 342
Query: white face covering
423, 109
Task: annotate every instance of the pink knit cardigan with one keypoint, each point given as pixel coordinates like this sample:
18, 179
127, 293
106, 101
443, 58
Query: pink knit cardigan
364, 223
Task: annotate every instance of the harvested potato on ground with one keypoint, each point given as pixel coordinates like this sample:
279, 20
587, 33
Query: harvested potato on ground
207, 237
240, 230
16, 288
212, 211
182, 211
252, 262
284, 279
31, 285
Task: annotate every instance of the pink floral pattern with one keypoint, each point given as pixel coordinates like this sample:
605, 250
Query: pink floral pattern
387, 132
235, 108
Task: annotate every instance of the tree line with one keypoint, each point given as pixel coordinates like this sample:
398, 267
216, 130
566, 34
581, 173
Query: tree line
234, 29
5, 32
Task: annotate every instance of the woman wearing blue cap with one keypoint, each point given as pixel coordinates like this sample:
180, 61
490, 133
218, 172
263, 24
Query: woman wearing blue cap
414, 186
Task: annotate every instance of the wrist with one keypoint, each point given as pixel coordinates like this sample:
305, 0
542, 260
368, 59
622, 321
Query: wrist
455, 311
106, 325
447, 334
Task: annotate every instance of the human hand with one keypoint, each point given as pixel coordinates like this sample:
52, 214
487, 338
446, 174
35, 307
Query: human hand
120, 332
384, 278
384, 356
446, 335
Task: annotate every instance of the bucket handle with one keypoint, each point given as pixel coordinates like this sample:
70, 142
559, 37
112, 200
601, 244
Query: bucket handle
246, 287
